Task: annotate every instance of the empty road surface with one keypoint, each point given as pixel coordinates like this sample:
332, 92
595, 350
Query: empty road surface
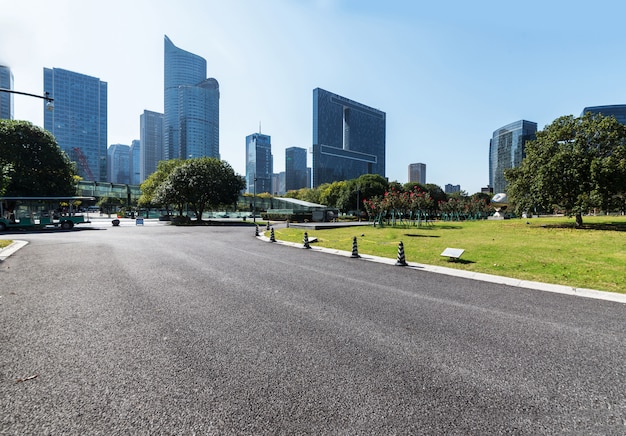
208, 330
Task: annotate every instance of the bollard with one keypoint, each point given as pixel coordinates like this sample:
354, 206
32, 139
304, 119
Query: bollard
355, 251
256, 230
268, 226
306, 240
272, 238
401, 260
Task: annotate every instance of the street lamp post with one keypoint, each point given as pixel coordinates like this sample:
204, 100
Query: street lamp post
254, 202
358, 194
46, 96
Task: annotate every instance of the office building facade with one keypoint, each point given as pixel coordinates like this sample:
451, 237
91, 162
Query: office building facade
151, 140
417, 173
191, 106
506, 150
135, 162
79, 120
118, 164
295, 169
6, 98
451, 189
616, 110
259, 163
348, 138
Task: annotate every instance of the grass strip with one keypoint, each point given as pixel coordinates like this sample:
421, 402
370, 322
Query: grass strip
548, 250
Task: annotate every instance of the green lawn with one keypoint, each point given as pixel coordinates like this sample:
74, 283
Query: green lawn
4, 243
546, 250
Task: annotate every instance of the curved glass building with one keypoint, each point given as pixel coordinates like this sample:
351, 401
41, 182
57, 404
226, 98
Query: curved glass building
191, 106
616, 110
506, 150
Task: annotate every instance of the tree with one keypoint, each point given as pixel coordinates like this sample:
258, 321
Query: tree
32, 163
436, 193
152, 183
202, 183
573, 165
330, 193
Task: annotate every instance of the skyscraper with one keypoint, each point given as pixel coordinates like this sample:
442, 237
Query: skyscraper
135, 162
417, 173
191, 115
616, 110
259, 163
506, 150
79, 119
118, 163
295, 168
6, 98
151, 139
348, 138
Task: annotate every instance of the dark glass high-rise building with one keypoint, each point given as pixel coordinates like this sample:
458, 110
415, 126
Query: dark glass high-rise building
135, 162
259, 163
506, 150
348, 138
6, 98
79, 119
616, 110
295, 168
191, 106
151, 139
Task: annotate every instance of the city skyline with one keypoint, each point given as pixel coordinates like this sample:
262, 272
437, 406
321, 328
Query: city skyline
447, 75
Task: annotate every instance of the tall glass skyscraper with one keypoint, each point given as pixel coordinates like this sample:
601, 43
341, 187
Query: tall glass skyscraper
191, 106
6, 98
259, 163
295, 168
151, 139
616, 110
79, 119
135, 162
348, 138
118, 163
506, 150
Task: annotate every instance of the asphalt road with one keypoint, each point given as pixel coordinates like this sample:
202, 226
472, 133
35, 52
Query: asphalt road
164, 330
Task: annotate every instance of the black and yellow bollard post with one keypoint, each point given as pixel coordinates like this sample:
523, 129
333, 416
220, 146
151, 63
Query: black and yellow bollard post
305, 241
355, 250
256, 230
401, 260
272, 237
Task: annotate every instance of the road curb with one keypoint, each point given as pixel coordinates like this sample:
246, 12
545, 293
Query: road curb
7, 251
526, 284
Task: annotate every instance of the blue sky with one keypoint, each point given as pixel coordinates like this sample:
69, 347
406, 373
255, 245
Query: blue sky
446, 73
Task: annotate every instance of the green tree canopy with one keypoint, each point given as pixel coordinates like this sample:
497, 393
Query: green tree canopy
357, 190
32, 163
152, 183
331, 192
202, 183
573, 165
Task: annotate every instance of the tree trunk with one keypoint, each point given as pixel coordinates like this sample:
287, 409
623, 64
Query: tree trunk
579, 220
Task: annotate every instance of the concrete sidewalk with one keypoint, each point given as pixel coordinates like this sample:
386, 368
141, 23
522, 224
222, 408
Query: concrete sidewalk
12, 248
